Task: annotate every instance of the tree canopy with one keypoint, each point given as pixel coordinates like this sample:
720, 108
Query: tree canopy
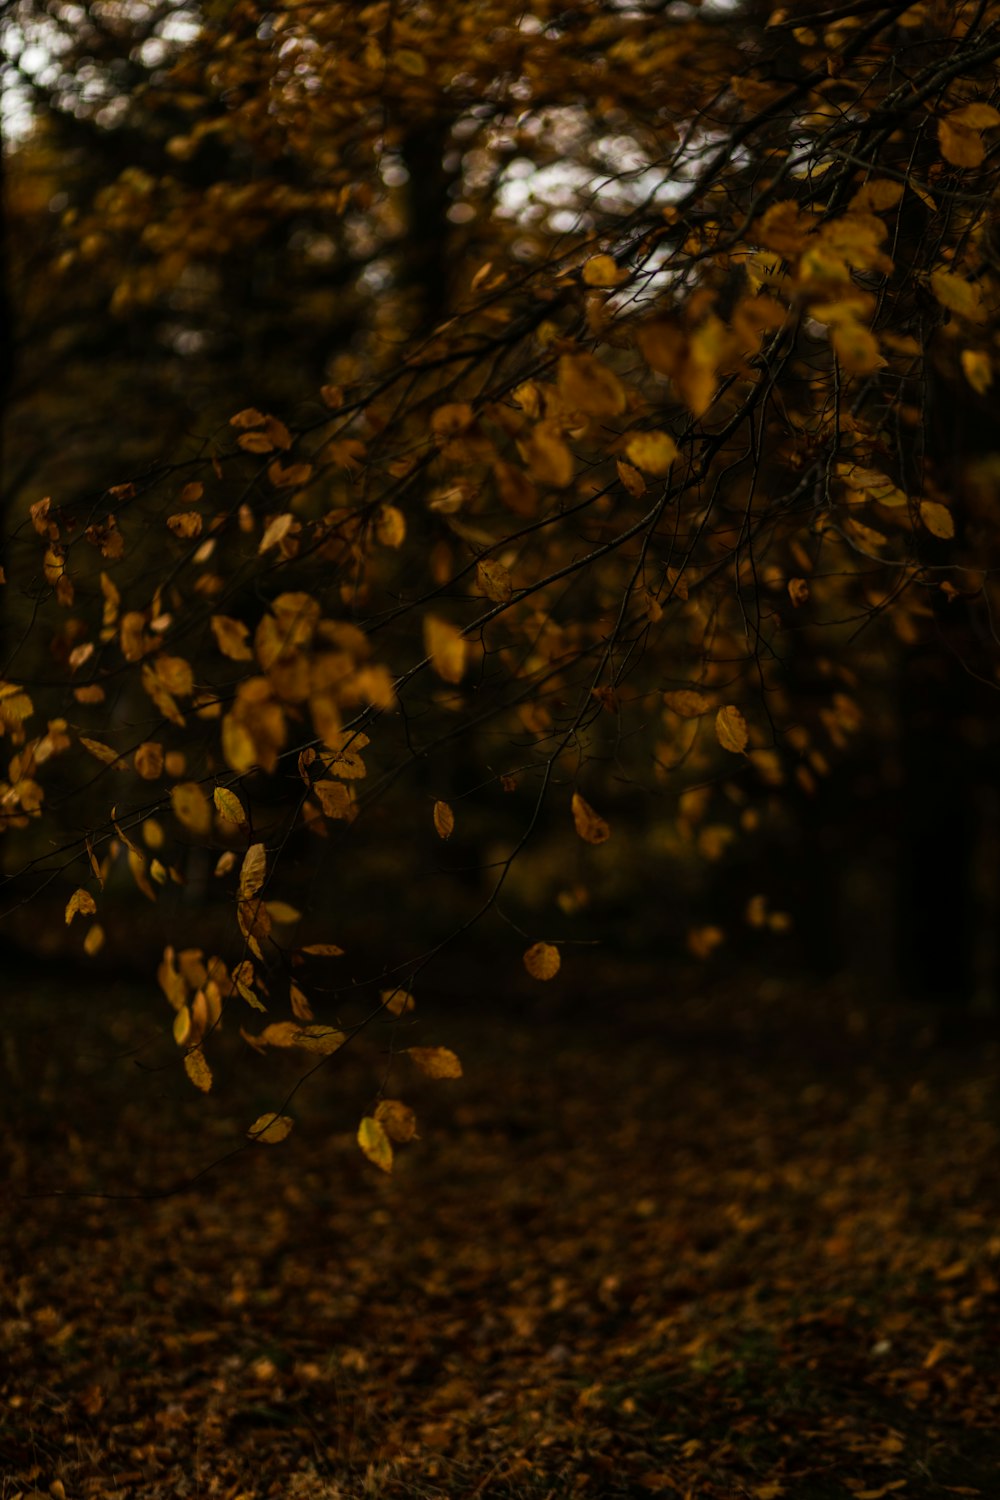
463, 459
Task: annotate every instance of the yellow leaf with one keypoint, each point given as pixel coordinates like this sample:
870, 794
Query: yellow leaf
856, 347
436, 1062
94, 941
249, 417
255, 442
252, 871
182, 1026
978, 370
631, 479
276, 531
301, 1009
270, 1129
229, 806
589, 825
958, 295
191, 808
149, 760
446, 648
703, 941
231, 638
289, 476
281, 911
590, 387
687, 703
938, 519
197, 1069
798, 591
334, 798
80, 901
653, 452
410, 62
602, 270
96, 748
547, 456
543, 961
397, 1002
323, 950
876, 196
451, 421
960, 140
390, 526
444, 820
731, 730
397, 1119
493, 580
375, 1143
185, 524
191, 493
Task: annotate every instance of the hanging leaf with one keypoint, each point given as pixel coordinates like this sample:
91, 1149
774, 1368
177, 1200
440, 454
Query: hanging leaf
229, 806
653, 452
731, 730
436, 1062
270, 1129
191, 808
197, 1069
80, 901
938, 519
397, 1120
543, 961
591, 827
375, 1143
446, 647
444, 820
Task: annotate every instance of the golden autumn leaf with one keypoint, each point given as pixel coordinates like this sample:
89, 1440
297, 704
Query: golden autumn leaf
231, 637
446, 647
731, 730
323, 950
543, 960
631, 479
289, 476
493, 580
591, 827
856, 347
959, 134
436, 1062
444, 820
688, 703
191, 808
94, 940
798, 591
248, 417
197, 1069
276, 531
602, 270
958, 295
148, 760
397, 1120
186, 524
99, 751
252, 871
549, 460
81, 901
977, 368
652, 452
375, 1143
938, 519
588, 386
229, 806
282, 911
390, 526
398, 1002
270, 1129
299, 1001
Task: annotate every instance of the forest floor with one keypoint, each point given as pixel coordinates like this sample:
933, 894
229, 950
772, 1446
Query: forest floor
747, 1244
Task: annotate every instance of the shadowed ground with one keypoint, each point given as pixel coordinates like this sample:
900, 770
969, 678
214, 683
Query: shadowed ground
738, 1245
